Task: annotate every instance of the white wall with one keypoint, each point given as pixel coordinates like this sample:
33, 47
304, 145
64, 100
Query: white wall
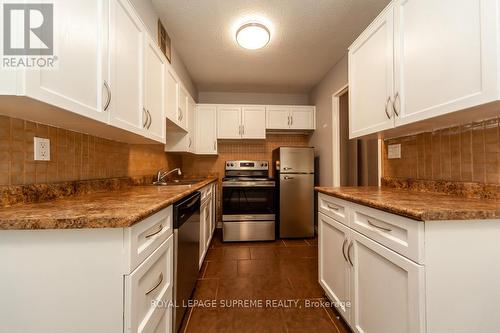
321, 96
148, 14
252, 98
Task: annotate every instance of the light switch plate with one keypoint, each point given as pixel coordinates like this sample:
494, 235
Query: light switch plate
394, 151
42, 149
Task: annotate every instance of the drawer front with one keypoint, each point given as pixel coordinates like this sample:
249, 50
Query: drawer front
400, 234
149, 291
334, 208
147, 235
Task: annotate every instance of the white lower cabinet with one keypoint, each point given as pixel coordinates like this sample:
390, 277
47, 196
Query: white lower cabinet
98, 280
207, 219
334, 269
387, 273
387, 290
148, 289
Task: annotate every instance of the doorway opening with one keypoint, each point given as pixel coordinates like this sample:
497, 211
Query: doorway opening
356, 162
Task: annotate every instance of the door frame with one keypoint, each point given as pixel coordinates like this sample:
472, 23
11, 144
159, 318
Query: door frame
336, 138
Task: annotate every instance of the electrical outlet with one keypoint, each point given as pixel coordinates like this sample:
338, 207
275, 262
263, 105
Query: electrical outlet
42, 149
394, 151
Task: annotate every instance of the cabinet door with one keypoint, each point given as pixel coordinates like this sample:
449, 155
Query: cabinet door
183, 107
302, 118
333, 265
150, 283
448, 63
126, 47
371, 77
388, 290
277, 117
191, 125
77, 84
253, 122
172, 101
154, 90
206, 130
203, 232
229, 122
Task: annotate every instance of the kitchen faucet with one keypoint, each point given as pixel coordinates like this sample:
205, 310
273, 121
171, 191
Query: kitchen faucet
161, 175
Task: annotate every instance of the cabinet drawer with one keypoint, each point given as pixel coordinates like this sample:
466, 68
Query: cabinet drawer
145, 236
400, 234
148, 291
333, 207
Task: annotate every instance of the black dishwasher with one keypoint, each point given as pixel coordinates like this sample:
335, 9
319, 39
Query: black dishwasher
186, 253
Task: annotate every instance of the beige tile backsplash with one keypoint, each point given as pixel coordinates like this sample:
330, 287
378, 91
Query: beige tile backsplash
74, 156
468, 153
240, 150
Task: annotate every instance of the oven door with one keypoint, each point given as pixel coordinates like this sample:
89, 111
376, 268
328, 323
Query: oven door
247, 203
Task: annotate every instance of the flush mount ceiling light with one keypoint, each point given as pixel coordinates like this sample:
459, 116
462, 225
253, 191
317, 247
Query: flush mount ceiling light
253, 36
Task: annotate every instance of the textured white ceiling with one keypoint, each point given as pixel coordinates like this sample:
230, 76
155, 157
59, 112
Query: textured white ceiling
307, 38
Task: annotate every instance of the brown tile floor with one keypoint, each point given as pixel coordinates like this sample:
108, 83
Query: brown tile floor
279, 272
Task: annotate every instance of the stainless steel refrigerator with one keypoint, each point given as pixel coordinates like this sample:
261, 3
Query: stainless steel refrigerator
294, 173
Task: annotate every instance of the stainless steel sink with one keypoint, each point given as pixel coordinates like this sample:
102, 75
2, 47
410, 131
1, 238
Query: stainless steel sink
179, 182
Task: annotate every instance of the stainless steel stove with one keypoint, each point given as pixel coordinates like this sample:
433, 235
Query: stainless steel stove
248, 202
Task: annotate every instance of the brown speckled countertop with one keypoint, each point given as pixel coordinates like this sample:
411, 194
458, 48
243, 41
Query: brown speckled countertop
117, 208
422, 206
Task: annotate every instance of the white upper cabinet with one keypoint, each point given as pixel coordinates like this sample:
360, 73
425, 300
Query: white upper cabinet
290, 117
277, 117
371, 77
229, 122
127, 109
171, 102
206, 129
183, 108
191, 115
447, 64
241, 122
154, 79
177, 99
421, 59
302, 117
79, 83
253, 122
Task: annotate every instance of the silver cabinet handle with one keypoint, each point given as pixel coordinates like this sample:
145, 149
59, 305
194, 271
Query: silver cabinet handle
215, 145
291, 120
243, 129
343, 249
160, 228
379, 227
190, 142
288, 123
386, 106
287, 178
396, 98
160, 280
108, 92
150, 118
287, 168
333, 207
179, 117
145, 118
349, 254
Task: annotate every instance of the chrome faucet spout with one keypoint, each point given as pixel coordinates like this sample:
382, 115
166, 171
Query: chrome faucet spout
161, 175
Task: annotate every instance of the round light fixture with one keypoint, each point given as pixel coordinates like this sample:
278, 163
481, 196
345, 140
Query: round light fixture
253, 36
